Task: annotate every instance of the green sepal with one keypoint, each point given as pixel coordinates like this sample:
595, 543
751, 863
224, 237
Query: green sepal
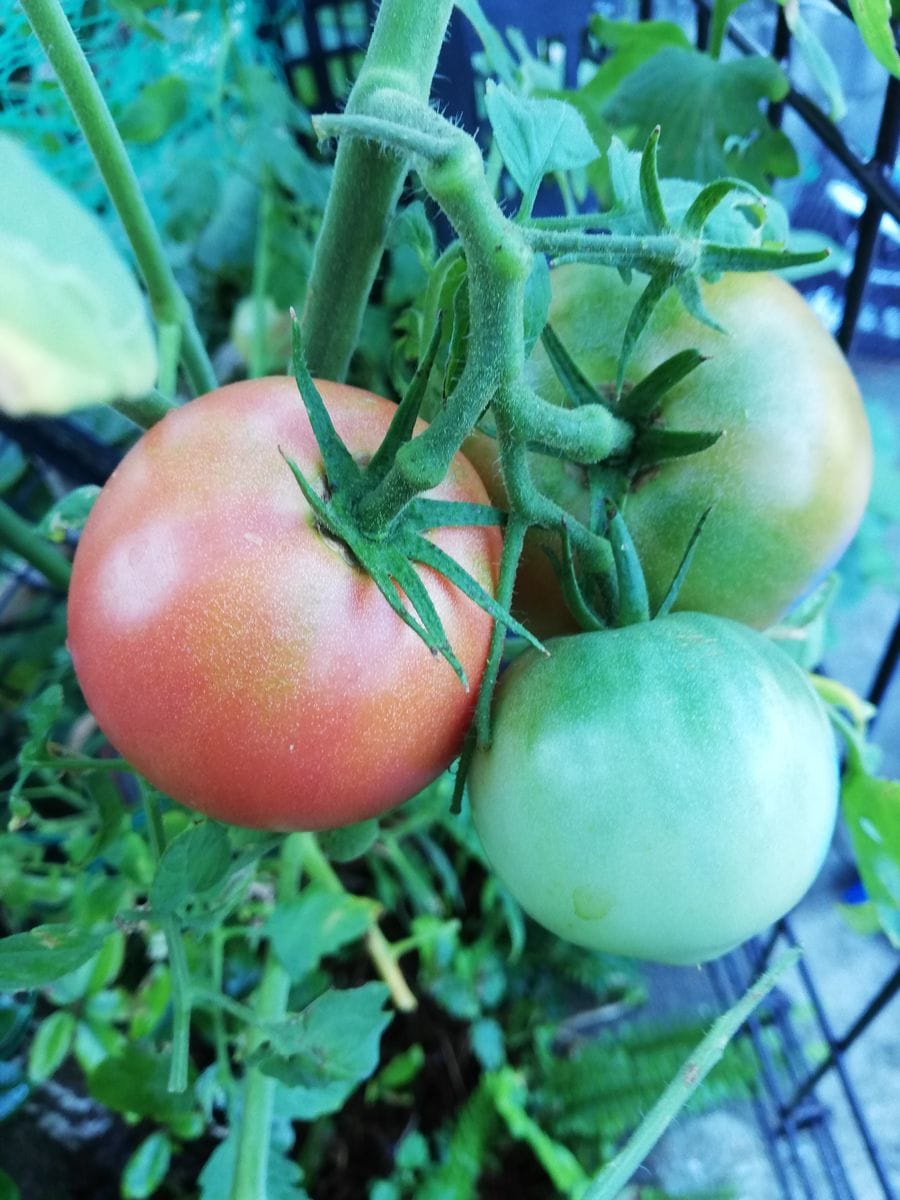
577, 387
656, 288
651, 196
417, 594
421, 550
643, 401
424, 514
404, 419
340, 468
573, 595
715, 258
634, 603
462, 769
655, 445
689, 291
384, 564
687, 558
709, 199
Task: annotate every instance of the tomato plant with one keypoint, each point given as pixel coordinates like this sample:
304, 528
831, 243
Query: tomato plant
665, 790
234, 652
788, 479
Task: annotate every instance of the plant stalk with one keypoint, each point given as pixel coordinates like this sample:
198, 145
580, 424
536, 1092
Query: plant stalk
22, 538
53, 31
251, 1168
402, 54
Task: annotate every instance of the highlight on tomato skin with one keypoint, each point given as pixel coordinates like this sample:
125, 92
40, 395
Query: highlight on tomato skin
662, 791
234, 653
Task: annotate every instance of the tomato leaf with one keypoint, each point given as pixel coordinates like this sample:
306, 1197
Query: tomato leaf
44, 954
317, 923
873, 19
283, 1175
136, 1081
329, 1048
51, 1045
154, 110
710, 115
147, 1167
871, 808
73, 322
537, 301
537, 137
349, 841
193, 863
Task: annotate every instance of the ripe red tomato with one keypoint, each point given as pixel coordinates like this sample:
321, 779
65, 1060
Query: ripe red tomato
236, 654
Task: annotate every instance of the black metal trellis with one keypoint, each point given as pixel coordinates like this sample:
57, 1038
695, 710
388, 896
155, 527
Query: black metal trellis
321, 47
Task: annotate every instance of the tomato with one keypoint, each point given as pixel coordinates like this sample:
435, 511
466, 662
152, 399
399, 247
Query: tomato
234, 652
663, 791
788, 479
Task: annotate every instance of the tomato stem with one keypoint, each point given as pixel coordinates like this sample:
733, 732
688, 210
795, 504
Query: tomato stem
22, 538
402, 54
73, 71
269, 1004
382, 953
613, 1178
178, 967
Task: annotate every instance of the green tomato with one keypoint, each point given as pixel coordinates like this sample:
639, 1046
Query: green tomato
788, 479
662, 791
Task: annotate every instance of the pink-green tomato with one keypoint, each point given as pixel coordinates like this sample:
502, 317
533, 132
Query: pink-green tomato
235, 653
662, 791
788, 479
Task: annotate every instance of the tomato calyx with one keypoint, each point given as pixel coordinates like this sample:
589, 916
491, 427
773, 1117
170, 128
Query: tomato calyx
390, 559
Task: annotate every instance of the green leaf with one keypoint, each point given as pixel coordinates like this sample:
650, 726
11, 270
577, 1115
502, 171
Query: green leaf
283, 1176
136, 1081
73, 322
324, 1052
873, 18
817, 58
8, 1188
509, 1094
154, 110
69, 514
192, 863
537, 137
712, 123
44, 954
51, 1045
350, 841
748, 219
871, 808
147, 1167
499, 58
15, 1017
488, 1045
317, 923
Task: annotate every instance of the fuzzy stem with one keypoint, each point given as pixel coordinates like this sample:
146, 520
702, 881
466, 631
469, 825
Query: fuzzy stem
270, 1004
402, 54
178, 967
167, 301
21, 537
609, 1183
